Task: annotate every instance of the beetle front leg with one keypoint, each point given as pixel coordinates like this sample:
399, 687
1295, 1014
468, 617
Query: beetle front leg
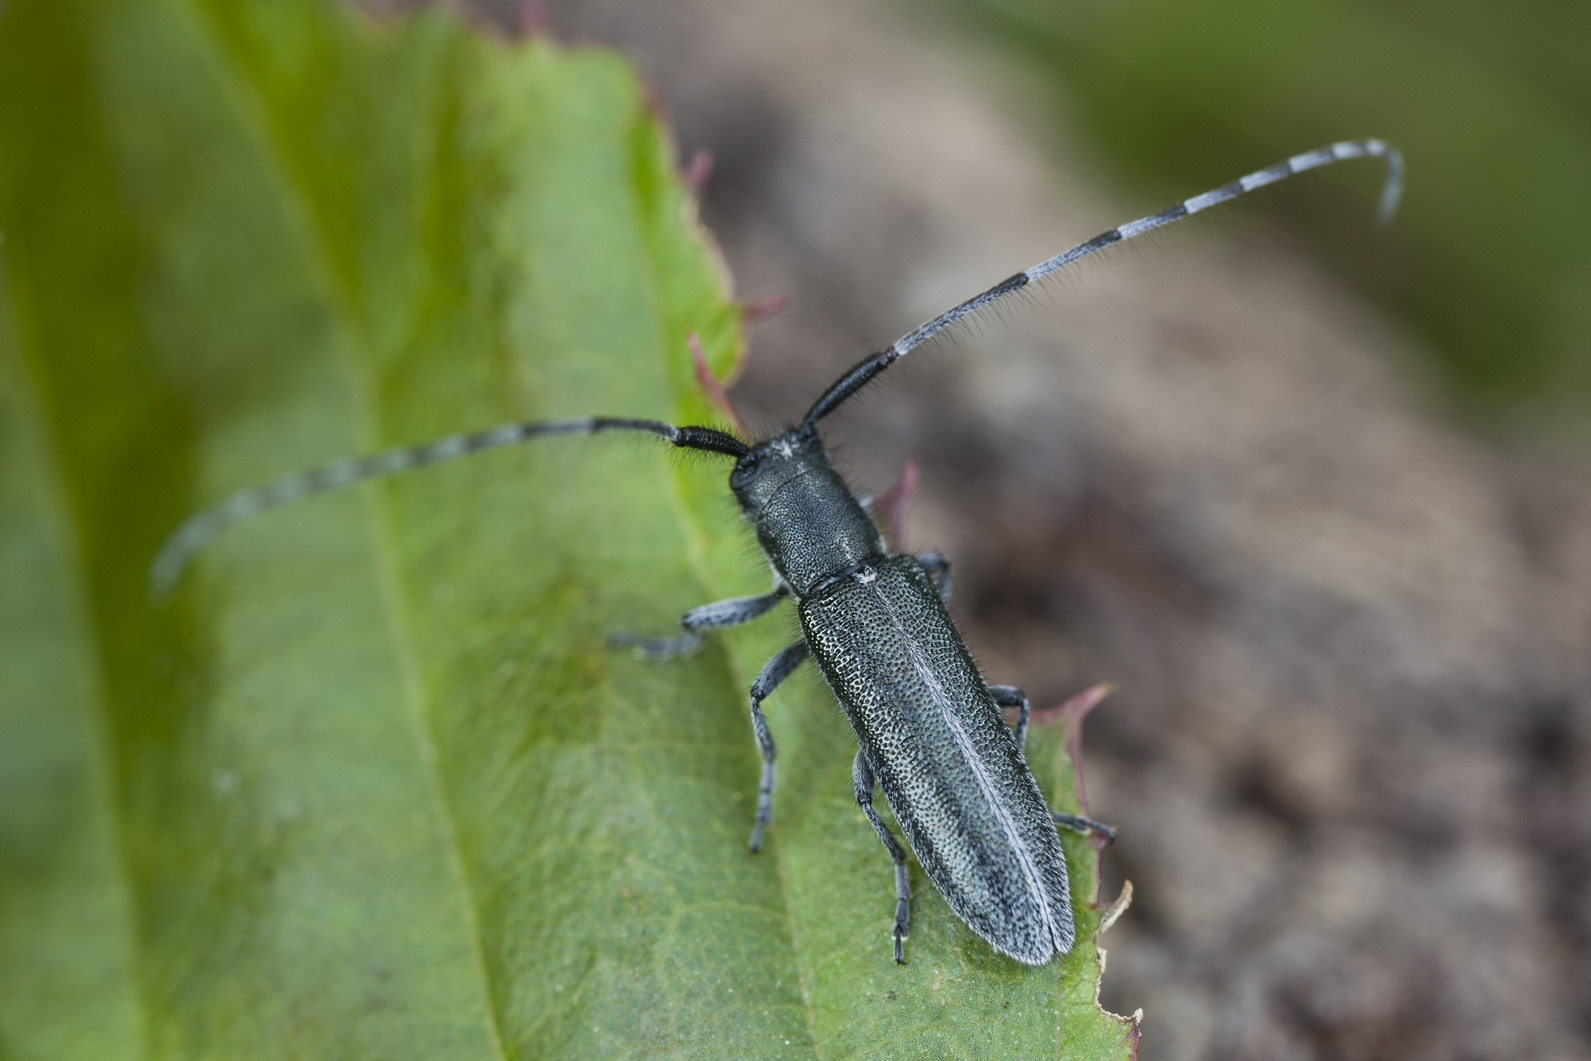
735, 611
773, 672
1011, 696
862, 780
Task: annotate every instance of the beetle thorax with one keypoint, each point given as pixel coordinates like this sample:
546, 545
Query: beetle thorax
808, 522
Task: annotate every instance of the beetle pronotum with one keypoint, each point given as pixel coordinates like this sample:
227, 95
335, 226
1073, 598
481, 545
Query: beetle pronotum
931, 731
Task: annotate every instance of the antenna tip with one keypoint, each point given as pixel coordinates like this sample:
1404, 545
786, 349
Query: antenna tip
1392, 189
163, 575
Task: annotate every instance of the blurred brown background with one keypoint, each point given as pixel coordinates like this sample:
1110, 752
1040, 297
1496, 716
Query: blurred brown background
1309, 492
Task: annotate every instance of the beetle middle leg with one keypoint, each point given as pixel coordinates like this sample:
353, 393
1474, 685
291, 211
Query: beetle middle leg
735, 611
862, 780
773, 672
938, 565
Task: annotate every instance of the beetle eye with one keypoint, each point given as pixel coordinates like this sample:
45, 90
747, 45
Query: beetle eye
746, 469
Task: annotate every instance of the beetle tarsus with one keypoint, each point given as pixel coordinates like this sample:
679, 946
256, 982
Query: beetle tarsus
657, 649
1078, 823
903, 899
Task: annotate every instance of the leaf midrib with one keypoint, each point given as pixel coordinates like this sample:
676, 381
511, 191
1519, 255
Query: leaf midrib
352, 338
296, 202
79, 604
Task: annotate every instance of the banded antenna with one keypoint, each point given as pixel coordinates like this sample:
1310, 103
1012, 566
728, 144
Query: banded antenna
199, 531
859, 376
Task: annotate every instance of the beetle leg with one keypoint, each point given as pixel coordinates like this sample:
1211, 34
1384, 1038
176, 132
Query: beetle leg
773, 672
862, 780
1011, 696
1084, 825
733, 612
938, 566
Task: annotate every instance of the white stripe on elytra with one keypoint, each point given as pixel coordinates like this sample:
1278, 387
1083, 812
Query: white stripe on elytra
985, 782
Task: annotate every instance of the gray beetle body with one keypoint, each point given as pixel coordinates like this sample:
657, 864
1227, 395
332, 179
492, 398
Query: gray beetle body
929, 729
943, 755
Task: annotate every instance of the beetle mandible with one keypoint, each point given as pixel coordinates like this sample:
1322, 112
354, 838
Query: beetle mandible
930, 730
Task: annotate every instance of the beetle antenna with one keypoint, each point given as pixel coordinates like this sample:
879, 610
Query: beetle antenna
1391, 191
198, 531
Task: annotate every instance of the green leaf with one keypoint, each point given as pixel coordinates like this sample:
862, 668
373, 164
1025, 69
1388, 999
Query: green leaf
373, 784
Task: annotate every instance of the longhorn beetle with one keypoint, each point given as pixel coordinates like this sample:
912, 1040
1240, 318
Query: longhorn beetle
931, 731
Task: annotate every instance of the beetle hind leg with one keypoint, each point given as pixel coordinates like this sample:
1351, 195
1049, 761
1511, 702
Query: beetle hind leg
862, 779
1084, 825
1011, 696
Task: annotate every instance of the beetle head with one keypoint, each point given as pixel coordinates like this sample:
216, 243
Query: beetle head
770, 465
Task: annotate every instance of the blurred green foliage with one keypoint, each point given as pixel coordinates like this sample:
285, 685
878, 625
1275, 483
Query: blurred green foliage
1490, 257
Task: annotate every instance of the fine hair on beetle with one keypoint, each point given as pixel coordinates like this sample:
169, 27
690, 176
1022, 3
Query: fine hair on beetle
931, 732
